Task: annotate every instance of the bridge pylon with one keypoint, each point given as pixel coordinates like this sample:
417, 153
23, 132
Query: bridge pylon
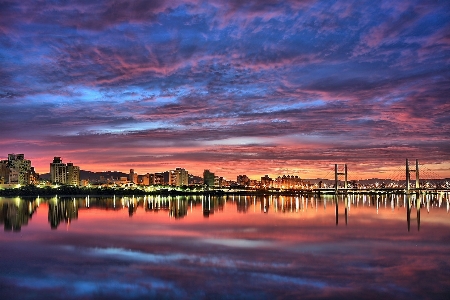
336, 175
408, 175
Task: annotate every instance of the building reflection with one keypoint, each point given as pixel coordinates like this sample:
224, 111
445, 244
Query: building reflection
242, 203
132, 205
264, 205
62, 210
178, 207
156, 203
206, 206
212, 204
14, 214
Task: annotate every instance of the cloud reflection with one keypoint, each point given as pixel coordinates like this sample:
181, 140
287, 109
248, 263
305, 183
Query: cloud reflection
106, 254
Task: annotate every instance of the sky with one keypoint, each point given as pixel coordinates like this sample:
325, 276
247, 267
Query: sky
237, 87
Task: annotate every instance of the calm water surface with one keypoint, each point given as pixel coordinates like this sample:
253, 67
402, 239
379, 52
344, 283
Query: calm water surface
241, 247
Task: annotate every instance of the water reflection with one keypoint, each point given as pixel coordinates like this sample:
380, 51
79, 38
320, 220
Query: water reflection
64, 209
16, 212
238, 247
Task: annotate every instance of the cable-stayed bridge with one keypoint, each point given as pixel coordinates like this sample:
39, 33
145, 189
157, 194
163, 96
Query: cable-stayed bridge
412, 178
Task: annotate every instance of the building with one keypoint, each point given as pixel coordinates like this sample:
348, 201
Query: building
167, 178
243, 180
4, 171
58, 171
254, 183
266, 182
288, 182
22, 166
158, 179
145, 179
208, 178
151, 178
133, 177
195, 180
73, 174
16, 170
122, 180
180, 177
64, 173
219, 181
34, 177
13, 177
177, 177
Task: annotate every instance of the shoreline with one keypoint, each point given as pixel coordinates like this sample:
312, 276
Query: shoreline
69, 191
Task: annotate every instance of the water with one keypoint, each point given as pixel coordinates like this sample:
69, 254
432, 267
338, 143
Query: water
241, 247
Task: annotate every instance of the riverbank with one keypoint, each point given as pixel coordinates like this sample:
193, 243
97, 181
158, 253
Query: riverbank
35, 191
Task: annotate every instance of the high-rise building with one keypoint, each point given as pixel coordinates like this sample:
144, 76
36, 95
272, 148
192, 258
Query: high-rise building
145, 179
266, 182
15, 170
73, 174
243, 180
151, 178
288, 182
64, 173
167, 175
158, 179
58, 171
34, 177
4, 171
177, 177
208, 178
181, 177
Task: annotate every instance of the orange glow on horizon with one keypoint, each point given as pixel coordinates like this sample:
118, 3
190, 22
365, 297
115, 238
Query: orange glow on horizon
257, 170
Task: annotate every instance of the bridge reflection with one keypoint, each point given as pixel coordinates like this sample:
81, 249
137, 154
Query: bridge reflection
16, 212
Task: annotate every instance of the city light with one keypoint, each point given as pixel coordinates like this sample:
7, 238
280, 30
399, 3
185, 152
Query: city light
180, 181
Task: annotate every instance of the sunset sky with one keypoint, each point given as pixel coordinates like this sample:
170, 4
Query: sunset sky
237, 87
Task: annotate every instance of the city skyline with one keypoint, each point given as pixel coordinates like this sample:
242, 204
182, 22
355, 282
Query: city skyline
249, 88
18, 171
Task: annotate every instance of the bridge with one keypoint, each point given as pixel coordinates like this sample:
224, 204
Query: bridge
408, 188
